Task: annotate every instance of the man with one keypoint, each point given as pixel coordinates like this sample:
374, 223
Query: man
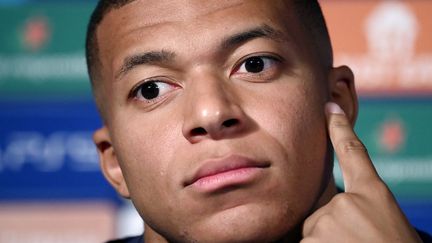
215, 126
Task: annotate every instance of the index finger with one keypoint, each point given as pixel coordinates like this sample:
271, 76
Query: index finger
356, 166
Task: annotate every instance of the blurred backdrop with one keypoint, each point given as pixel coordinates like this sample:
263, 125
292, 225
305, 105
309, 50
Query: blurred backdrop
51, 189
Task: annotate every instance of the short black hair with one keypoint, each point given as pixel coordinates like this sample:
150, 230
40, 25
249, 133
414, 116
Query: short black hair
311, 16
91, 46
308, 12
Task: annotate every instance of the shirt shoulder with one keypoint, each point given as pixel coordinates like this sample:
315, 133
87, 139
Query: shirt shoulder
426, 238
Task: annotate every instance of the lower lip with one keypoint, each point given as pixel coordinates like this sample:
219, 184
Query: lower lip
225, 179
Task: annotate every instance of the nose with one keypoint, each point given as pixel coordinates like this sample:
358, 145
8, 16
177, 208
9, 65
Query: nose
212, 113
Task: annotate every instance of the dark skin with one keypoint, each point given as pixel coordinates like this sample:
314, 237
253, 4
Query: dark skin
233, 147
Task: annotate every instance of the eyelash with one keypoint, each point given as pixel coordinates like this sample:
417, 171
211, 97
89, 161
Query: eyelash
273, 57
134, 92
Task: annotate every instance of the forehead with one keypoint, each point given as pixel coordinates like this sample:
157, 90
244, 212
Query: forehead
141, 14
185, 25
151, 12
151, 15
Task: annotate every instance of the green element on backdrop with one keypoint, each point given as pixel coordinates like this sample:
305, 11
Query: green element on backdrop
42, 51
398, 138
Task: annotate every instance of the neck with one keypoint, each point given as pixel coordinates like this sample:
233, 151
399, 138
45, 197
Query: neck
151, 236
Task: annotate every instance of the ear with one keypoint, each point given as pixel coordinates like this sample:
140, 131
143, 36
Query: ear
108, 161
342, 91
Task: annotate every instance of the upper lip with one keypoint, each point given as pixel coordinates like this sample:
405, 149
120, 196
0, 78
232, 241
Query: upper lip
228, 163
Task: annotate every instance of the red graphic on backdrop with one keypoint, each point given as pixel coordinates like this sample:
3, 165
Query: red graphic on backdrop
392, 136
36, 33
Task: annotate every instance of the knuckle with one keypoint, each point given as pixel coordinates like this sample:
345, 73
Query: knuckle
308, 224
343, 201
338, 123
309, 240
351, 145
318, 225
325, 219
324, 223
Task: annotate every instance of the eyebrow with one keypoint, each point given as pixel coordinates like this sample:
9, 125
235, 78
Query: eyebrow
262, 31
162, 57
147, 58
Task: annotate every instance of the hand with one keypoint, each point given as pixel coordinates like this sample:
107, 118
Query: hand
367, 210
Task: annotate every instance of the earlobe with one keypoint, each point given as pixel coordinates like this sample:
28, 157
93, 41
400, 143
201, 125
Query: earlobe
109, 162
342, 91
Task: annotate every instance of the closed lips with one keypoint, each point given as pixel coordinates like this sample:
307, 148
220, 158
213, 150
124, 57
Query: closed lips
230, 164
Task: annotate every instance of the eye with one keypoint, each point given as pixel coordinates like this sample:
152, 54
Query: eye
152, 90
256, 64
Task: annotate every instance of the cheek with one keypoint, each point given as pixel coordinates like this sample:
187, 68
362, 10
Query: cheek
303, 126
305, 122
146, 157
144, 152
295, 117
294, 126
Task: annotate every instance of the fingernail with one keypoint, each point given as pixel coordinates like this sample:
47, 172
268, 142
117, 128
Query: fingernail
334, 108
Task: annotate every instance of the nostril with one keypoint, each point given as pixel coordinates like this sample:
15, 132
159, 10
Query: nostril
230, 123
198, 131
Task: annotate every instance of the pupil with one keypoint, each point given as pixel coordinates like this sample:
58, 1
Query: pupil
254, 64
150, 90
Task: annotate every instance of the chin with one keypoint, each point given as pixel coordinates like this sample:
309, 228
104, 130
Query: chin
245, 224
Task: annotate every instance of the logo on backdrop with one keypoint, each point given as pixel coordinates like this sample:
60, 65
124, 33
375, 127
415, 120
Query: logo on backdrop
392, 136
36, 33
391, 63
39, 64
48, 153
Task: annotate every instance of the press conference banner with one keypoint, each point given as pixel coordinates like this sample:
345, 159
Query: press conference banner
47, 115
397, 135
42, 51
388, 44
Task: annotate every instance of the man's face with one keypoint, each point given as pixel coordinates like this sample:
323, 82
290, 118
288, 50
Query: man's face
214, 113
